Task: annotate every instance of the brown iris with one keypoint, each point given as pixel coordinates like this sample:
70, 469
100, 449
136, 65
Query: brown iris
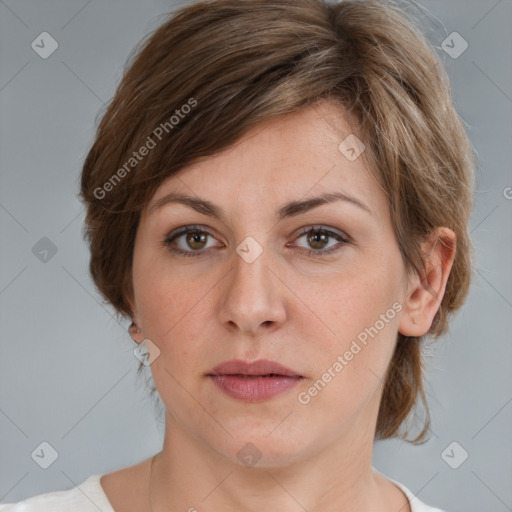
196, 240
318, 239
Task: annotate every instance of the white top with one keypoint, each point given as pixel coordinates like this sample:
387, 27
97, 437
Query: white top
90, 497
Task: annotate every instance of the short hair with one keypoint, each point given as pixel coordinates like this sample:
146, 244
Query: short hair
215, 69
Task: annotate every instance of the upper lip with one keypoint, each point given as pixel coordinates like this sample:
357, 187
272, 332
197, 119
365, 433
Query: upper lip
259, 367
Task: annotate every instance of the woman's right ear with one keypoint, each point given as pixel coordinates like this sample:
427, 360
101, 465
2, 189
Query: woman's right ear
135, 329
136, 333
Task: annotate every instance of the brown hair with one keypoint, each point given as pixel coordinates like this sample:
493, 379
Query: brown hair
235, 63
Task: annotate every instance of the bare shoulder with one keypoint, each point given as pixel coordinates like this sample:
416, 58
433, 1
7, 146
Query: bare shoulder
127, 488
393, 495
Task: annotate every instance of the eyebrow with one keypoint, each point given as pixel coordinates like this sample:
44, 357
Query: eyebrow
290, 209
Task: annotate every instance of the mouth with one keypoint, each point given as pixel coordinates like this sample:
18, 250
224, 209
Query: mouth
259, 368
253, 381
254, 376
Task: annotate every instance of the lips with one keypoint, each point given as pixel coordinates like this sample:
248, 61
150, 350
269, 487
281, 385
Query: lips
261, 367
253, 382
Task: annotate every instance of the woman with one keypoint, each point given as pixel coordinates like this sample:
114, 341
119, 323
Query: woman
278, 198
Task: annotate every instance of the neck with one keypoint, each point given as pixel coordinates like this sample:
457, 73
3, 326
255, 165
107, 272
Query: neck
187, 475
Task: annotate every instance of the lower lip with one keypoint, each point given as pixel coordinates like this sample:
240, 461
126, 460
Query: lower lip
254, 389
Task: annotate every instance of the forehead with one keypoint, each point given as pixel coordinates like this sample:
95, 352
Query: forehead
282, 159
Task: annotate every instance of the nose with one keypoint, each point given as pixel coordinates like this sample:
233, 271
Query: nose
253, 296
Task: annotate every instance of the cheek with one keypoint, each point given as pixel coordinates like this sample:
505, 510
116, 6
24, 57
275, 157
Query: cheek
173, 310
345, 305
361, 313
165, 296
350, 372
170, 313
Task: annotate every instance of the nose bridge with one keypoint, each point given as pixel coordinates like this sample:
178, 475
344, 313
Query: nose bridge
252, 298
250, 269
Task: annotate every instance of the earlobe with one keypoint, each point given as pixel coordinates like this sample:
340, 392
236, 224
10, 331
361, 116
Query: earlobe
425, 294
135, 333
134, 329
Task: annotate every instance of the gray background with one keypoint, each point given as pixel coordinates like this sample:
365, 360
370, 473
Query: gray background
67, 371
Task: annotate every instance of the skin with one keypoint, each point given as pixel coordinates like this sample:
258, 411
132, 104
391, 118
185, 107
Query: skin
300, 310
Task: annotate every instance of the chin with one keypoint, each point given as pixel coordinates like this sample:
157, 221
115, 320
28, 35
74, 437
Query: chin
257, 449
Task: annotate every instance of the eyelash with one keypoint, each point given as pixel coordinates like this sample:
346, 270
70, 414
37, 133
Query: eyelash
199, 230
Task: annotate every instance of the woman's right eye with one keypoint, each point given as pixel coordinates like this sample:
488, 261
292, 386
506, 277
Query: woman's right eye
188, 241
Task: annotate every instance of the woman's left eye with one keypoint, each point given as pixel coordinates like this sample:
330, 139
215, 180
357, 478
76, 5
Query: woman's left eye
318, 239
193, 241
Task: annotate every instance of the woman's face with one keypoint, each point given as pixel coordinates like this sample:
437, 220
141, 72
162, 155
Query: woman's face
316, 287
